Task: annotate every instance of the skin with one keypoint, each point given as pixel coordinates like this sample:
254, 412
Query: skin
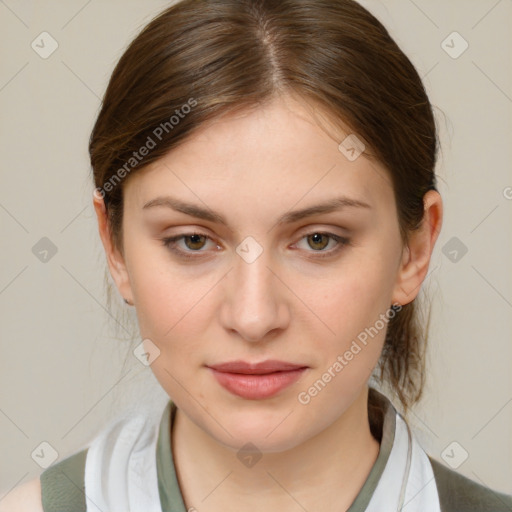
288, 304
25, 497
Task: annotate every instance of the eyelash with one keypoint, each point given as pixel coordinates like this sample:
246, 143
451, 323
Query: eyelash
169, 242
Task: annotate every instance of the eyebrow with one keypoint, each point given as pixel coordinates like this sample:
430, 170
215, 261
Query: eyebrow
335, 204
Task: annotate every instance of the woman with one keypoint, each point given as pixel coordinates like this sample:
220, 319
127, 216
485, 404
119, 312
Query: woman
266, 197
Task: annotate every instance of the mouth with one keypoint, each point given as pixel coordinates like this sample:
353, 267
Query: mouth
256, 381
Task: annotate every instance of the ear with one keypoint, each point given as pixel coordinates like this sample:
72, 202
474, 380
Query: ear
416, 255
115, 259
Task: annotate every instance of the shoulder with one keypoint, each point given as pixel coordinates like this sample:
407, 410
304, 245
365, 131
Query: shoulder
59, 487
63, 484
24, 498
457, 493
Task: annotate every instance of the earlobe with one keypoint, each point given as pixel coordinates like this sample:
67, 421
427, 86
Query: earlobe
115, 259
416, 256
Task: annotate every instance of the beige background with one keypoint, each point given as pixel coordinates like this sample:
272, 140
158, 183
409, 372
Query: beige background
62, 366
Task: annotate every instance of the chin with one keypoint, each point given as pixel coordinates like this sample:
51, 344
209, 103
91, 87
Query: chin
246, 441
269, 435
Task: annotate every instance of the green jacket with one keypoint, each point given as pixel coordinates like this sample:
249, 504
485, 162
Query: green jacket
63, 488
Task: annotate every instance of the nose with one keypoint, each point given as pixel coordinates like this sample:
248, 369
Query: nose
254, 303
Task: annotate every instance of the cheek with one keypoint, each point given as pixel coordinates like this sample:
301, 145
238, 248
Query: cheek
163, 293
354, 308
354, 295
170, 308
353, 305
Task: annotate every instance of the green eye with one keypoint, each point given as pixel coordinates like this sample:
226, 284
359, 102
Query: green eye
321, 241
318, 241
194, 242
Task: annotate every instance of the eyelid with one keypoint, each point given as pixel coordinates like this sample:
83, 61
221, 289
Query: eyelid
169, 241
341, 241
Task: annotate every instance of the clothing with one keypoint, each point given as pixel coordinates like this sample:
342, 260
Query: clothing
130, 464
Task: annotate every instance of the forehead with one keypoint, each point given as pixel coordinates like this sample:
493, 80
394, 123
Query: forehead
272, 158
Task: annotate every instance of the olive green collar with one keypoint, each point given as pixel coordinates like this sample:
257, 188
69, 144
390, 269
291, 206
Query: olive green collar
382, 422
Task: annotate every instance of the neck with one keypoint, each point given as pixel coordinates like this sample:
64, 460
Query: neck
324, 473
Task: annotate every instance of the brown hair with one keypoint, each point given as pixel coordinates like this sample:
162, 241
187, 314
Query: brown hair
200, 59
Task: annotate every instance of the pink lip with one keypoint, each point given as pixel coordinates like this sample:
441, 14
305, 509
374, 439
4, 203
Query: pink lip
269, 366
256, 380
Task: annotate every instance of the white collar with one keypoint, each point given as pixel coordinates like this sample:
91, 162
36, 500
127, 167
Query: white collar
121, 471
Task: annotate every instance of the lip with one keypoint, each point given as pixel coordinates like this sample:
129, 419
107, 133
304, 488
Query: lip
268, 366
256, 381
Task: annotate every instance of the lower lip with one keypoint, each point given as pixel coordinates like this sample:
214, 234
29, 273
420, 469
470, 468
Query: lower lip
257, 387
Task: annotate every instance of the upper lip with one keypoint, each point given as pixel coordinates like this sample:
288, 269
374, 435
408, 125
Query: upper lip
269, 366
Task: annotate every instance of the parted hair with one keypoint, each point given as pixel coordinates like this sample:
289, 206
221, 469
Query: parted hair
200, 59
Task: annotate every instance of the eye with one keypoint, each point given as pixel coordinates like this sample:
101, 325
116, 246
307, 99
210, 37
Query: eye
320, 240
194, 242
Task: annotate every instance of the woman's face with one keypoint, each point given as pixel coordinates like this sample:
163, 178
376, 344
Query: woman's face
263, 283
